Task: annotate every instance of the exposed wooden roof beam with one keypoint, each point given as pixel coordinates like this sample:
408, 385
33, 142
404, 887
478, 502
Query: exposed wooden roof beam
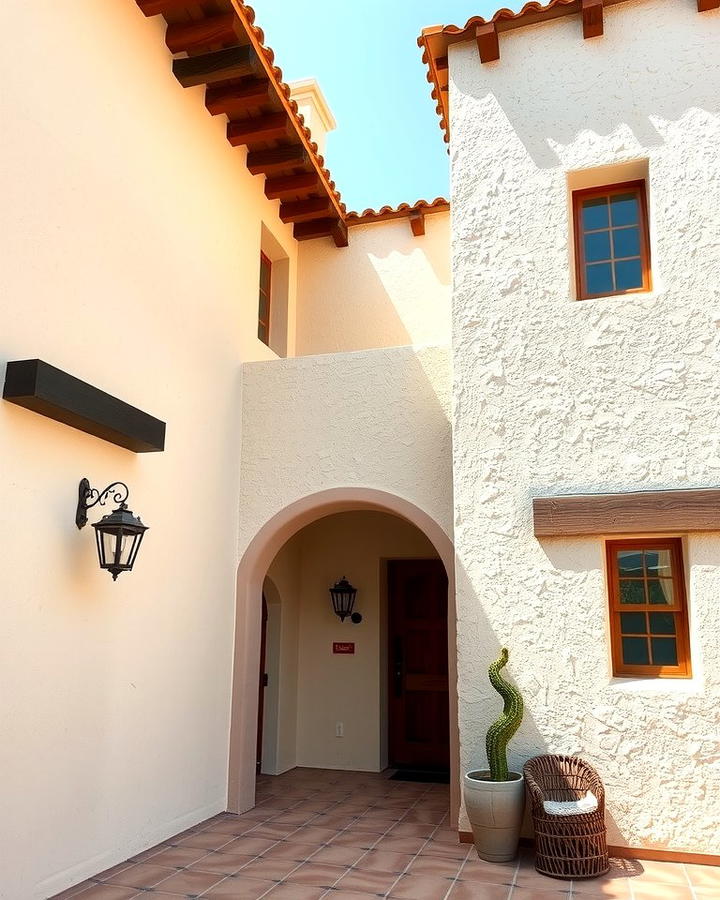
305, 210
219, 65
193, 36
235, 99
264, 128
707, 5
155, 7
286, 186
277, 159
334, 228
592, 15
487, 41
417, 222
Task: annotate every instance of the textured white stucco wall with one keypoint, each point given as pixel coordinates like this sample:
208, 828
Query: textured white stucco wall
129, 257
387, 288
553, 395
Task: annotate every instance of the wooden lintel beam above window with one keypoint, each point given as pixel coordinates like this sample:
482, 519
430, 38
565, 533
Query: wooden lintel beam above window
264, 128
707, 5
219, 65
305, 210
642, 512
213, 31
417, 223
156, 7
277, 159
487, 41
318, 228
236, 99
592, 14
286, 187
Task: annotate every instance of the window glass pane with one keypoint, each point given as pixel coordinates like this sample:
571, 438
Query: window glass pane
658, 562
626, 242
635, 651
263, 307
664, 651
630, 563
661, 623
264, 274
632, 591
634, 623
625, 209
660, 591
597, 245
599, 278
595, 213
628, 274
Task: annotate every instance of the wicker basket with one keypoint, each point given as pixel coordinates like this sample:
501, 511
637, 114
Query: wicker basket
567, 846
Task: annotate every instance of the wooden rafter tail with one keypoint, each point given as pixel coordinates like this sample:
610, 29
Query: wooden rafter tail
219, 65
236, 99
592, 15
306, 210
213, 31
318, 228
417, 222
707, 5
487, 41
158, 7
288, 186
276, 160
264, 128
339, 233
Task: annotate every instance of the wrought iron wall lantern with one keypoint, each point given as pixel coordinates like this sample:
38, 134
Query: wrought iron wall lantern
343, 600
119, 533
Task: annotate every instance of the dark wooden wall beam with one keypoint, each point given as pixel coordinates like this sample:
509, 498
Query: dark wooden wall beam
642, 512
305, 210
236, 99
487, 41
707, 5
277, 159
592, 15
219, 65
286, 187
264, 128
214, 31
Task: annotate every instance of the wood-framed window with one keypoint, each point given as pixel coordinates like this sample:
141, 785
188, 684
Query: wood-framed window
264, 299
612, 241
648, 608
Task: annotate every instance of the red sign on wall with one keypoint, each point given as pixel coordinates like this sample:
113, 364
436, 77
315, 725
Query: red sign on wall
343, 647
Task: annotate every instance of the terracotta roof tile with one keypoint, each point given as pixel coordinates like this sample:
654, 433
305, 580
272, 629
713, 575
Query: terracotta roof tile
404, 210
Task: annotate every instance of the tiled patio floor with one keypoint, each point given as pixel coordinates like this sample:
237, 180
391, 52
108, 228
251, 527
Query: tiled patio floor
348, 836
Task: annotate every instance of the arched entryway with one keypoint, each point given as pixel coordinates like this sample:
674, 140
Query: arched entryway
252, 573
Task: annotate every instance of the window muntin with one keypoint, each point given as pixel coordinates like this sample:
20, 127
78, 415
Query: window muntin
612, 254
648, 611
264, 299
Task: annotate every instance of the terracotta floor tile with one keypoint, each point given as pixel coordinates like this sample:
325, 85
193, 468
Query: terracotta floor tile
380, 861
446, 849
312, 834
421, 887
367, 882
206, 840
434, 865
273, 869
73, 891
348, 895
400, 844
251, 846
704, 876
140, 875
363, 841
706, 893
189, 882
489, 873
221, 863
595, 888
318, 874
338, 856
237, 889
296, 892
661, 873
108, 892
535, 893
472, 890
274, 832
178, 857
658, 891
150, 852
410, 829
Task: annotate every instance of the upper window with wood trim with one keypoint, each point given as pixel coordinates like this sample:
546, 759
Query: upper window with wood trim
612, 244
264, 299
648, 610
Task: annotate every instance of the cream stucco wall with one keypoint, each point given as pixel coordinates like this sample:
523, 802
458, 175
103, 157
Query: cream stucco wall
336, 688
130, 249
553, 395
387, 288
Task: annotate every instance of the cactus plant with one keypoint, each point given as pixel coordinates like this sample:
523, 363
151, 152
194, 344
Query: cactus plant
507, 724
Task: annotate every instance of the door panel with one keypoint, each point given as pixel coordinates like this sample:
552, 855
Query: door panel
262, 686
419, 732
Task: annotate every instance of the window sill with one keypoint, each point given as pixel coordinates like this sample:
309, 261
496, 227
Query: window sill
632, 684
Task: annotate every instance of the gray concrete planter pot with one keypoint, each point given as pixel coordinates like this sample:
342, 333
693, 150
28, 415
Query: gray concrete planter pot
495, 810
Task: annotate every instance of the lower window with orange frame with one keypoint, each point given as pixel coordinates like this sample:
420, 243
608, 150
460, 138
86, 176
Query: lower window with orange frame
648, 608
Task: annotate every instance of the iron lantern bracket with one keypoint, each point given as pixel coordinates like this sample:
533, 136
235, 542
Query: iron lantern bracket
90, 496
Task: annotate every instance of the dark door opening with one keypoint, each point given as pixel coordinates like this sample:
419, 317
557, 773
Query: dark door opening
262, 685
418, 702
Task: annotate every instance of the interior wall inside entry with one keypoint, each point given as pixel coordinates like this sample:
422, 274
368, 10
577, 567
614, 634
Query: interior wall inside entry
330, 709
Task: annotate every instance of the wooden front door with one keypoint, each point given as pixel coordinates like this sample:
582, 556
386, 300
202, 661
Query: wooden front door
419, 727
263, 685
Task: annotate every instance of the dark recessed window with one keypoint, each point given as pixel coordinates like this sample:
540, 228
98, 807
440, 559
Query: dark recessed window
264, 299
648, 612
612, 248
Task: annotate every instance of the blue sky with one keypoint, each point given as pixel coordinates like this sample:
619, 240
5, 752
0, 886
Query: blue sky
388, 147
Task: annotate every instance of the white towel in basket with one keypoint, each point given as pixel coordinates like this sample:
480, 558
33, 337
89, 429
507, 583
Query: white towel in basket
584, 805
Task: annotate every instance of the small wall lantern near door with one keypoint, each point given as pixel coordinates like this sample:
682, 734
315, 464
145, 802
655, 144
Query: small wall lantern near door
119, 533
343, 600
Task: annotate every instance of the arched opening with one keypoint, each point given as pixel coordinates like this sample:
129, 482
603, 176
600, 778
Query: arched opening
253, 580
